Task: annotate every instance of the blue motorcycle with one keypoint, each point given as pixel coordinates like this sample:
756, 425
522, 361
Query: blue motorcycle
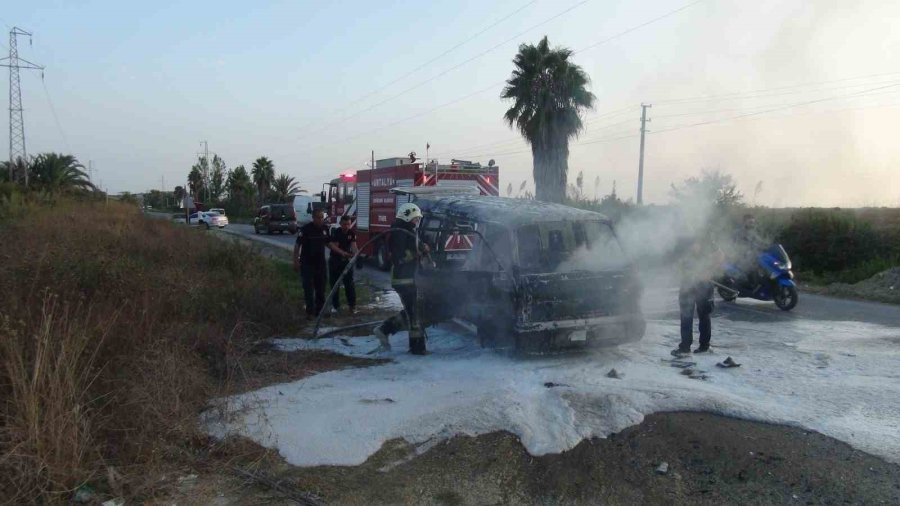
773, 280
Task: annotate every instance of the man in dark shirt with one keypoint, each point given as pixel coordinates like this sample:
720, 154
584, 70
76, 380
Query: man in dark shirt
343, 246
309, 260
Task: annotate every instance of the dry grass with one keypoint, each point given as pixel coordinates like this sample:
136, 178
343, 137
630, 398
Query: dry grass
114, 331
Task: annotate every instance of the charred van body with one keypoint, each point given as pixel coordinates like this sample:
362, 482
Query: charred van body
534, 275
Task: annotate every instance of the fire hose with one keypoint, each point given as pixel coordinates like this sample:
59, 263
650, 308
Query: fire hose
337, 283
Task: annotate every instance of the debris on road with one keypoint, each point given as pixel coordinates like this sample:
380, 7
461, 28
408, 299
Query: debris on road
728, 363
614, 374
662, 468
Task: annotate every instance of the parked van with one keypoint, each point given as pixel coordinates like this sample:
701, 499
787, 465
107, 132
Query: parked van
273, 218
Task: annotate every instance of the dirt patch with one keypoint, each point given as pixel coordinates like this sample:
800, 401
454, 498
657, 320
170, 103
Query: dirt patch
265, 365
710, 460
883, 287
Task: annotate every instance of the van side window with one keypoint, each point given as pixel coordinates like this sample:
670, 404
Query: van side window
429, 232
528, 238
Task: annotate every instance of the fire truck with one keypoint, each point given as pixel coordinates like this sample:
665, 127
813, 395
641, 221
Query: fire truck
366, 195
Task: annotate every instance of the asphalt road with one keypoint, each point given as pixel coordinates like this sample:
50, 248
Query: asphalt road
377, 278
662, 299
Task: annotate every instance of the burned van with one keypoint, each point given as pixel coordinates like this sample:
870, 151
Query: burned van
535, 275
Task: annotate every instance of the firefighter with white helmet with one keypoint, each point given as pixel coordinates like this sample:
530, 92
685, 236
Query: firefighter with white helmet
405, 251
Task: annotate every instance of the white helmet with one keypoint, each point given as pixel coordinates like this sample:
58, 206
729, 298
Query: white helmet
408, 212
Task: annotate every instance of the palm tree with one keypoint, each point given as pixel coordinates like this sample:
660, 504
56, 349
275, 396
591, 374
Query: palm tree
17, 171
263, 176
549, 94
55, 173
285, 187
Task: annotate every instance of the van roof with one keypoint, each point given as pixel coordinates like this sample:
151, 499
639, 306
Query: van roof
505, 211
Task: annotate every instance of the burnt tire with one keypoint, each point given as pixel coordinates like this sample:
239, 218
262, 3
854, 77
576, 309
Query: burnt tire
493, 334
786, 297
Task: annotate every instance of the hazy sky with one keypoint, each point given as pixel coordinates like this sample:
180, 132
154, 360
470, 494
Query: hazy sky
136, 88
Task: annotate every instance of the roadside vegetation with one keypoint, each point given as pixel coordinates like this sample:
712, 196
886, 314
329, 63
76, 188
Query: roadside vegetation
239, 191
115, 331
826, 245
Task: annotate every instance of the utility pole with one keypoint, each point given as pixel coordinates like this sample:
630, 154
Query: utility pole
16, 121
644, 120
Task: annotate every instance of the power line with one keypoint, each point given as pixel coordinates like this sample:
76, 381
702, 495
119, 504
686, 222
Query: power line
59, 127
451, 69
494, 85
788, 106
638, 27
707, 98
429, 62
764, 106
482, 150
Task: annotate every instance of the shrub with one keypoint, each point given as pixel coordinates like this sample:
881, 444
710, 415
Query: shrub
823, 240
114, 330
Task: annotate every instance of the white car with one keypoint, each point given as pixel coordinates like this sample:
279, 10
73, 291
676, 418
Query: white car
209, 219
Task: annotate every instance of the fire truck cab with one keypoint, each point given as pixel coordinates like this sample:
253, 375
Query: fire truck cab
366, 195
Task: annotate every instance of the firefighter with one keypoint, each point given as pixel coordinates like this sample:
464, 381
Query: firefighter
696, 268
406, 251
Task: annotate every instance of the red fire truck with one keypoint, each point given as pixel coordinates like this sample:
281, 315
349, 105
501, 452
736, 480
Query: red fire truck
365, 195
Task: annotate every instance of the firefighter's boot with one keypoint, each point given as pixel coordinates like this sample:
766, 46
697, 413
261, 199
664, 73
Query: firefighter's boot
416, 341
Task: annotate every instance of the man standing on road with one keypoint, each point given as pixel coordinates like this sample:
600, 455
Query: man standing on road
405, 253
309, 261
343, 246
696, 268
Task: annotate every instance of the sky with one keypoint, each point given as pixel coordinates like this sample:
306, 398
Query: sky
796, 99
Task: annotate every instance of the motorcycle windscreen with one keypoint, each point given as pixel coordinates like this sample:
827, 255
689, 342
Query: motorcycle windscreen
778, 253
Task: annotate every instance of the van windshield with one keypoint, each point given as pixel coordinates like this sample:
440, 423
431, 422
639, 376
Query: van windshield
568, 245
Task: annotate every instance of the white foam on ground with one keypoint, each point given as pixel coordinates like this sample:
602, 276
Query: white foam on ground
839, 378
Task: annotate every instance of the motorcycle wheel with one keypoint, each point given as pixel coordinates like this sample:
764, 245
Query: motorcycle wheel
726, 295
786, 297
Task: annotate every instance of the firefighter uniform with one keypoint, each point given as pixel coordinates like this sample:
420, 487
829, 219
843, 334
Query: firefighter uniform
405, 249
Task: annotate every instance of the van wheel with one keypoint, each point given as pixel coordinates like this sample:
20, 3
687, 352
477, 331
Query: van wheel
495, 334
381, 256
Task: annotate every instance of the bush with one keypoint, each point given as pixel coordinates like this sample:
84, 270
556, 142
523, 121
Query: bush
821, 240
114, 331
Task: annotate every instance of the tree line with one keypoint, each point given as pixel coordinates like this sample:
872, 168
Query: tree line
51, 173
237, 190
